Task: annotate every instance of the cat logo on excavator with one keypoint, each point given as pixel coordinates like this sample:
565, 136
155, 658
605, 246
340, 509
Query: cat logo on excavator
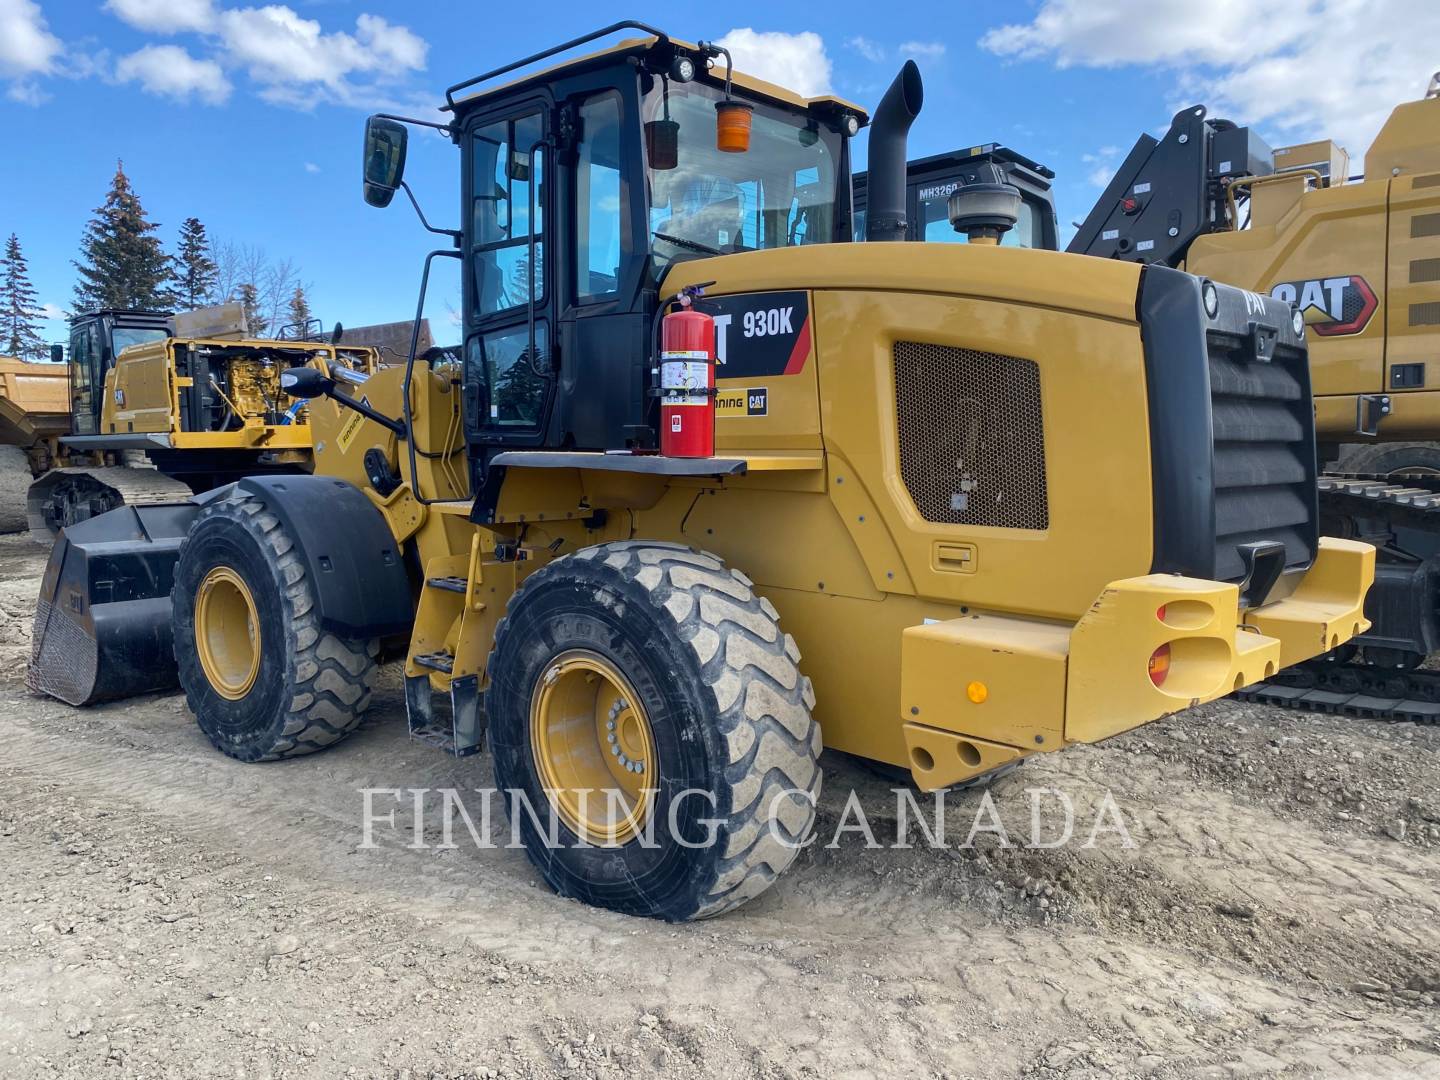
1332, 306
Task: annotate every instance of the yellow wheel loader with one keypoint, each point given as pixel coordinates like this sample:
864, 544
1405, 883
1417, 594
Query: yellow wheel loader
161, 406
1359, 258
963, 506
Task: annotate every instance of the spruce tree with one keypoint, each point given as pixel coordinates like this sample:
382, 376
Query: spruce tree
122, 264
249, 297
20, 315
298, 310
196, 272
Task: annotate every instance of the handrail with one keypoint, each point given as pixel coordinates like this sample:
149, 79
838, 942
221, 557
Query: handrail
628, 24
406, 412
1270, 178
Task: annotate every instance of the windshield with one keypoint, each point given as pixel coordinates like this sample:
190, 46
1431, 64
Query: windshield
123, 338
779, 193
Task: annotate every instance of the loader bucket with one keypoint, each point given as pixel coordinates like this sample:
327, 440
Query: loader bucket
102, 623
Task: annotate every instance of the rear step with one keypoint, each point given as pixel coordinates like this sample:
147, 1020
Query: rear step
465, 733
449, 584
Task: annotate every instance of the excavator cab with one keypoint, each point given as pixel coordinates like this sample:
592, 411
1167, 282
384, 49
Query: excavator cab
932, 181
96, 339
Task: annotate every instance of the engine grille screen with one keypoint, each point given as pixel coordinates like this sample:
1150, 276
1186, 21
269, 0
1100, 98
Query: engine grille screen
972, 443
1264, 489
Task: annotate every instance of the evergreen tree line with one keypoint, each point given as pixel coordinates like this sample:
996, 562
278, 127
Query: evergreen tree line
122, 264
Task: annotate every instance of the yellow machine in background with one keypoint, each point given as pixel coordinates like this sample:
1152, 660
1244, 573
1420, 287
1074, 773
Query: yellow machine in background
160, 410
34, 413
1359, 259
962, 506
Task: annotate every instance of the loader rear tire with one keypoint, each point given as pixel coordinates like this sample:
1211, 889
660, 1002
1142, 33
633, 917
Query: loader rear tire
681, 652
263, 679
15, 481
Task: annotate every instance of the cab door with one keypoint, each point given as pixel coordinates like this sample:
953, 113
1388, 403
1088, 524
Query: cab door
509, 308
87, 377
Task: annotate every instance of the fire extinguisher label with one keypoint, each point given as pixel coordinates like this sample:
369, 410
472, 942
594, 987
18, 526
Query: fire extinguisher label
760, 334
684, 374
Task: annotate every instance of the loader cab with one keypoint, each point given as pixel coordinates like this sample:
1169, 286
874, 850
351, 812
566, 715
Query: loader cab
582, 185
930, 182
96, 339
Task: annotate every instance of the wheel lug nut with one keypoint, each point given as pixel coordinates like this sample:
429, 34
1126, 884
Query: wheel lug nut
615, 749
611, 737
610, 724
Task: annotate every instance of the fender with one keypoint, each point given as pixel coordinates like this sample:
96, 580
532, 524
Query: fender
350, 555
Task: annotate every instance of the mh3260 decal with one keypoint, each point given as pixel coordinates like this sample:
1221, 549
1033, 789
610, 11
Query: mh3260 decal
1331, 306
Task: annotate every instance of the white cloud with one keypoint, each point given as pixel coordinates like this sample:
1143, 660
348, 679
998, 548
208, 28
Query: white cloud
26, 92
1308, 69
877, 53
170, 71
1102, 163
311, 167
164, 16
929, 50
26, 45
287, 53
870, 50
53, 312
795, 61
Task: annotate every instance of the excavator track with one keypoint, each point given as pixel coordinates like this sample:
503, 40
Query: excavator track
1348, 686
63, 497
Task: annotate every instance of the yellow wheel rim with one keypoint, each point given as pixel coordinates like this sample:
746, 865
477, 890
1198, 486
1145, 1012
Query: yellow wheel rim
227, 633
593, 748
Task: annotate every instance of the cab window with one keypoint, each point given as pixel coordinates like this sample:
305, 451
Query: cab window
507, 174
601, 200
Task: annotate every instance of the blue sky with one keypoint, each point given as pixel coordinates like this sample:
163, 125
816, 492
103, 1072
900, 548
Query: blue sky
249, 117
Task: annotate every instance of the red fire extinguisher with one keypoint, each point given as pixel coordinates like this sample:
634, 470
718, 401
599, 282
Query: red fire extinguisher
687, 382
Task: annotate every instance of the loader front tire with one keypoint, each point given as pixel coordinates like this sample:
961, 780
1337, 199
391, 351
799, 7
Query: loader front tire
262, 677
652, 671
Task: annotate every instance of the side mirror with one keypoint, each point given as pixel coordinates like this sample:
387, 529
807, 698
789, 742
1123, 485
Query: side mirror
337, 333
57, 354
384, 163
306, 382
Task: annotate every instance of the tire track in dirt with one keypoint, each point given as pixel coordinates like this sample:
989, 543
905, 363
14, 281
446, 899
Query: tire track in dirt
986, 962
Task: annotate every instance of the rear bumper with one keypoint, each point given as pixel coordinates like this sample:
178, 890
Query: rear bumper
982, 690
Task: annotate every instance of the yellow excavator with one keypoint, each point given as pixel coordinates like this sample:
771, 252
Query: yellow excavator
965, 504
1359, 258
151, 408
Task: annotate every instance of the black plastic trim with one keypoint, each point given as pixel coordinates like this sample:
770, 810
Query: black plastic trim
1182, 453
361, 588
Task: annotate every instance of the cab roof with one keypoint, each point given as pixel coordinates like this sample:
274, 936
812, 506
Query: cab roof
637, 46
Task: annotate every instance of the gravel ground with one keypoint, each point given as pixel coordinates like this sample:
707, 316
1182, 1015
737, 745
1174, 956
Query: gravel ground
166, 912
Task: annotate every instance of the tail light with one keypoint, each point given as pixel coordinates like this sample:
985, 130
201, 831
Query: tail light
1160, 664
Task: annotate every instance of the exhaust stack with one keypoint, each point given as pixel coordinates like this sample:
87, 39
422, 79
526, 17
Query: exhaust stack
889, 130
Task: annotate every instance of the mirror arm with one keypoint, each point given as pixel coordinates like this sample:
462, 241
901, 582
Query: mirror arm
454, 234
446, 129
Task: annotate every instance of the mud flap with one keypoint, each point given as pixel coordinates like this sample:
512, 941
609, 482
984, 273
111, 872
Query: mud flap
102, 623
